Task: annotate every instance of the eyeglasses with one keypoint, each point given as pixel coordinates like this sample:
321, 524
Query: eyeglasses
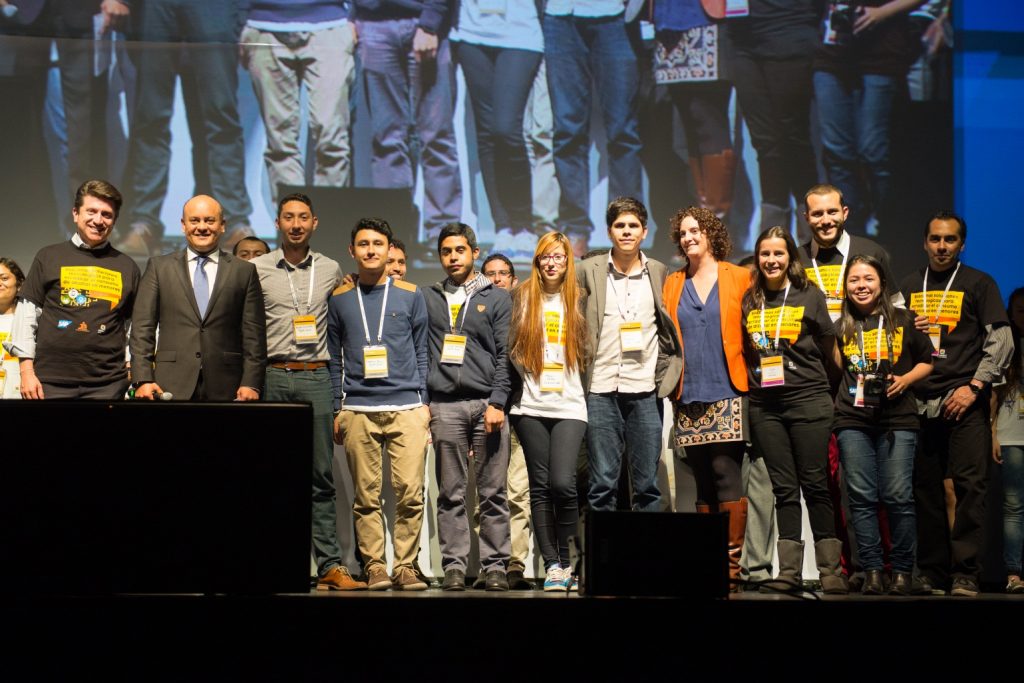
557, 259
501, 273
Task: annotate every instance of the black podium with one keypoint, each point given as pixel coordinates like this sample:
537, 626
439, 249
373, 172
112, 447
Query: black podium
165, 497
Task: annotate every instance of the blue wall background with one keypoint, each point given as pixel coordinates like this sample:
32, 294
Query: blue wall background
989, 135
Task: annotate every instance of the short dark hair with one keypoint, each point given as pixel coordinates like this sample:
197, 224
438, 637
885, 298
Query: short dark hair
709, 224
376, 224
100, 189
295, 197
621, 205
499, 257
823, 189
398, 244
249, 238
944, 215
19, 276
456, 230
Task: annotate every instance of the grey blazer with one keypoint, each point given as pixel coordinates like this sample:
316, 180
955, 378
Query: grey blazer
228, 346
592, 275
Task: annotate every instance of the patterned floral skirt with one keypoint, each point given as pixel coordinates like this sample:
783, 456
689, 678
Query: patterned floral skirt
703, 423
691, 56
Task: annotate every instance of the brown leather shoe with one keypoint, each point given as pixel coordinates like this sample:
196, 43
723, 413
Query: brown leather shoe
377, 578
337, 578
405, 579
737, 510
138, 242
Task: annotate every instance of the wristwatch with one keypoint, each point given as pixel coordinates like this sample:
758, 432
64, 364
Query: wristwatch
974, 388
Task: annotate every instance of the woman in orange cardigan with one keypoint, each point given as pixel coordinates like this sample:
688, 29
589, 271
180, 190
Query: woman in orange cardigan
705, 302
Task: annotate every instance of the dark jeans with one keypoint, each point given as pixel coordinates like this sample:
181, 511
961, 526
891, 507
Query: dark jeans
550, 448
499, 82
775, 98
624, 425
314, 387
85, 107
211, 29
961, 450
878, 467
1013, 507
792, 437
704, 111
584, 54
412, 101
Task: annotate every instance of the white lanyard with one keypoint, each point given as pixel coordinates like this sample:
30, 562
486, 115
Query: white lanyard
383, 308
309, 297
942, 301
778, 323
878, 344
453, 319
839, 278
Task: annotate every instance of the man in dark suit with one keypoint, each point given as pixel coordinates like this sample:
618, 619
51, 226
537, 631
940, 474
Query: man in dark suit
209, 306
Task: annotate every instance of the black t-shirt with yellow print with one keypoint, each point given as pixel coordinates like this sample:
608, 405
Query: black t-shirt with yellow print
829, 265
909, 347
805, 327
972, 303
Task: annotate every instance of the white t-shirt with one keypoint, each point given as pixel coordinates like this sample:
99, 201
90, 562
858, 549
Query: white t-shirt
500, 23
11, 380
568, 404
1010, 419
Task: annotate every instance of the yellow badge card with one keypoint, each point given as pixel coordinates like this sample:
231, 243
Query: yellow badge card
935, 335
631, 337
771, 371
82, 285
552, 378
375, 362
454, 349
304, 329
3, 381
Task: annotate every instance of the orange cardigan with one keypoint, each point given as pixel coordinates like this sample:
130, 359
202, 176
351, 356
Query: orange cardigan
733, 281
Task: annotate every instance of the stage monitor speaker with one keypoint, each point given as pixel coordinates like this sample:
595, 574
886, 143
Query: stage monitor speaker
340, 208
154, 497
655, 554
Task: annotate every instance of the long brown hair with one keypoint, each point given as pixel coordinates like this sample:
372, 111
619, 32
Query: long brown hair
846, 326
527, 336
754, 296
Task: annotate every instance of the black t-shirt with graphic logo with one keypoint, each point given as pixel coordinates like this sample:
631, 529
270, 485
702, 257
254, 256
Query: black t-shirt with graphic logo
86, 297
831, 269
909, 347
805, 328
972, 303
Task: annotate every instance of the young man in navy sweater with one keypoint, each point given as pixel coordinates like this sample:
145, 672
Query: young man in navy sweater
377, 339
469, 386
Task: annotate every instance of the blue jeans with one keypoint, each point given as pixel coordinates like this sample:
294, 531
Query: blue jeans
855, 118
314, 386
1013, 507
211, 30
584, 54
409, 99
879, 468
627, 424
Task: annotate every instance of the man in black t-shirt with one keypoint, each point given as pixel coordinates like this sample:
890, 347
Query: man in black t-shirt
962, 311
70, 329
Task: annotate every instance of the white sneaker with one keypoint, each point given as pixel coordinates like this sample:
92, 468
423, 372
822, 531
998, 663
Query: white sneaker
556, 579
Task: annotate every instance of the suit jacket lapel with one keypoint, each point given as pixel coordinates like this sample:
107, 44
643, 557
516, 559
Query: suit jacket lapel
181, 268
600, 291
224, 265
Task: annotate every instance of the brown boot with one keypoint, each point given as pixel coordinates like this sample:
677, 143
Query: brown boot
737, 510
698, 180
703, 509
719, 172
826, 553
791, 564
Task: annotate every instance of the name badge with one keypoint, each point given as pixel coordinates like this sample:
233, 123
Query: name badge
454, 349
552, 378
554, 354
935, 335
375, 362
304, 329
1020, 407
858, 394
493, 6
771, 371
3, 381
835, 308
631, 336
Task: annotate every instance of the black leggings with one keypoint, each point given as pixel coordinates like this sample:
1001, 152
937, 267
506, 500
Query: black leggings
551, 448
717, 468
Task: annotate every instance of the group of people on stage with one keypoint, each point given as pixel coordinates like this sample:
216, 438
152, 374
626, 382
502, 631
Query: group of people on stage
813, 356
532, 72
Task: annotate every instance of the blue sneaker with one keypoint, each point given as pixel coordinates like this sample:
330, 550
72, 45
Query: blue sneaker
556, 579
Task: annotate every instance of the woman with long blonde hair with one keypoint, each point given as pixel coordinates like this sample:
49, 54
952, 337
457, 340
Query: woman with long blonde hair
547, 346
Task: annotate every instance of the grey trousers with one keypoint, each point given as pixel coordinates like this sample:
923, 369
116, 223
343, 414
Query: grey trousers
759, 543
457, 428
